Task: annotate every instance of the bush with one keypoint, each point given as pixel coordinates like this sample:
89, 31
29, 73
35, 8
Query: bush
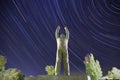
13, 74
114, 73
50, 70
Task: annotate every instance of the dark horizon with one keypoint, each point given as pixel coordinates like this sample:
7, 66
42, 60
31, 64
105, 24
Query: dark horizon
27, 33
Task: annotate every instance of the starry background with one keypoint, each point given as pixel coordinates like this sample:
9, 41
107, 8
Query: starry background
27, 33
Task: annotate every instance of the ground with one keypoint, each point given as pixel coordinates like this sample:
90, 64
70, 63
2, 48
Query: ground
45, 77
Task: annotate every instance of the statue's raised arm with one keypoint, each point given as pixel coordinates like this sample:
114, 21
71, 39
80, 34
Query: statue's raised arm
57, 32
67, 33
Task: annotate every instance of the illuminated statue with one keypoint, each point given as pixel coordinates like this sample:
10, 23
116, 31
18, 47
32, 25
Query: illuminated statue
62, 51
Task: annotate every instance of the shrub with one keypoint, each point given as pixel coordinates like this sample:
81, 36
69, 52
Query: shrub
50, 70
114, 73
13, 74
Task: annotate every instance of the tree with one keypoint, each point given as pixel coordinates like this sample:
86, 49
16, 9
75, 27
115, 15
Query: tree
3, 61
93, 68
50, 70
13, 74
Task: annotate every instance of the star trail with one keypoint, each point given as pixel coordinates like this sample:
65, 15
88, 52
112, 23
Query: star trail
27, 33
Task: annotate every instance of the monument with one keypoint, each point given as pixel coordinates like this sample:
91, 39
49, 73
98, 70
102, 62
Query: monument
62, 51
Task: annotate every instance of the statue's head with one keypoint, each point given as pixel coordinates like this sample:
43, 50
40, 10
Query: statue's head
62, 36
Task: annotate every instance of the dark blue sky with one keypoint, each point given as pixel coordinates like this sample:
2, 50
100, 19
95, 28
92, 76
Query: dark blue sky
27, 30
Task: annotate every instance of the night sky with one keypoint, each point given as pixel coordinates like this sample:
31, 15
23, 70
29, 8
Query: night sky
27, 33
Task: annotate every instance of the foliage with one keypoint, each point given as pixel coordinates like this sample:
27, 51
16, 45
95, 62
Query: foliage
50, 70
110, 74
114, 73
1, 76
3, 61
92, 67
10, 74
13, 74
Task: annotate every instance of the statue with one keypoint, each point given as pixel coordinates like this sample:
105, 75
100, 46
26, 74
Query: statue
62, 51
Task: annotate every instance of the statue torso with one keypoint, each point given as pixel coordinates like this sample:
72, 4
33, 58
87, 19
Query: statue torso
62, 43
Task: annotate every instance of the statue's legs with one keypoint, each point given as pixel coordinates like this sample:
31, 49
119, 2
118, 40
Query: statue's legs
58, 62
66, 63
